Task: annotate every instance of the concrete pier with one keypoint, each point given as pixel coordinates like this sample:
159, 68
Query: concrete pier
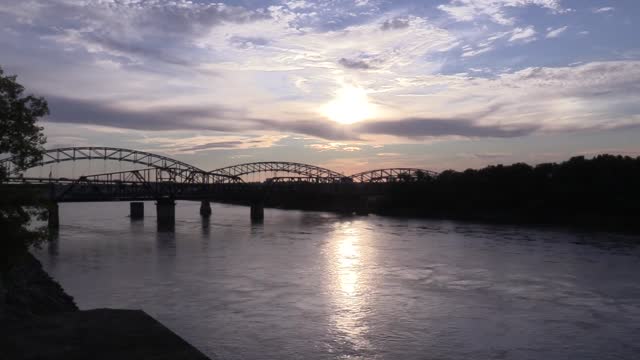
166, 213
205, 208
54, 216
257, 211
136, 210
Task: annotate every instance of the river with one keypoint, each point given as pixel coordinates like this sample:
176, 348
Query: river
313, 285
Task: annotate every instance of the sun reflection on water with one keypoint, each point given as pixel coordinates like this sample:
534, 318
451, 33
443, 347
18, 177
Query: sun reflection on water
349, 257
348, 261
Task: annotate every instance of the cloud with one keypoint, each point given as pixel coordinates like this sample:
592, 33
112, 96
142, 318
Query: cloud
582, 97
319, 128
395, 24
245, 42
212, 118
592, 79
482, 50
554, 33
354, 64
186, 143
603, 10
523, 34
495, 10
487, 155
90, 112
269, 71
334, 146
425, 127
214, 145
136, 30
360, 46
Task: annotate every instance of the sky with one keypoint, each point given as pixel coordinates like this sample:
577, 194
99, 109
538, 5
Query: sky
346, 84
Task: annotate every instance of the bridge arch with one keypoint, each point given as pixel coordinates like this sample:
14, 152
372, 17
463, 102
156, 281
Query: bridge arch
393, 174
52, 156
278, 166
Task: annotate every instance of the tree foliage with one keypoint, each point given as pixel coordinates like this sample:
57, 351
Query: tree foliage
602, 191
21, 137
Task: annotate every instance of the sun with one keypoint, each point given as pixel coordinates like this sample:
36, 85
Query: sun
350, 105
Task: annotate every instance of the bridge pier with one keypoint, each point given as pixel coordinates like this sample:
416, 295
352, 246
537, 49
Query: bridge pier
136, 210
257, 211
53, 216
166, 213
205, 208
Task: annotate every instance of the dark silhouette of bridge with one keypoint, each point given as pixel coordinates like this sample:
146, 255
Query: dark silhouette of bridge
165, 180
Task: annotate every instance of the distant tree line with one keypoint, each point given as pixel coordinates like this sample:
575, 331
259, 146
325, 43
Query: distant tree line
602, 192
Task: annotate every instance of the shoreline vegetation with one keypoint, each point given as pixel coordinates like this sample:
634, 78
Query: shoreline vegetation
598, 193
601, 193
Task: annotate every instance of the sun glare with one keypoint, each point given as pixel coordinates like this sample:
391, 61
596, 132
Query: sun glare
350, 105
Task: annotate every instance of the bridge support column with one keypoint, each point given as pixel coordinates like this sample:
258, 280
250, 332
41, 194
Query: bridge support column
257, 211
136, 210
166, 213
205, 208
54, 216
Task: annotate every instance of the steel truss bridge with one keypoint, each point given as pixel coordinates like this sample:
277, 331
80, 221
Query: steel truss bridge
166, 177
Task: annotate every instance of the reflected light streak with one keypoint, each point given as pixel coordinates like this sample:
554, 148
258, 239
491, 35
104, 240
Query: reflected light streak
348, 260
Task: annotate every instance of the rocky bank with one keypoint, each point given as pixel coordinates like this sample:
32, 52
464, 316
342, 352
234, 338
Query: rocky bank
26, 290
38, 320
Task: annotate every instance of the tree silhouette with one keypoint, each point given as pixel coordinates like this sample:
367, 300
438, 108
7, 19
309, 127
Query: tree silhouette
20, 137
602, 191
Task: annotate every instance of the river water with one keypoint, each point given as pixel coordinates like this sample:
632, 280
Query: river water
312, 285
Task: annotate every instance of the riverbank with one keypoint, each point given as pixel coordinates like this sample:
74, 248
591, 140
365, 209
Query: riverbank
96, 334
26, 290
40, 321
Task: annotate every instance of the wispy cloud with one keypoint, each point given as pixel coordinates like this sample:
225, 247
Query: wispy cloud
554, 33
395, 24
334, 146
424, 128
354, 64
523, 34
603, 9
495, 10
194, 144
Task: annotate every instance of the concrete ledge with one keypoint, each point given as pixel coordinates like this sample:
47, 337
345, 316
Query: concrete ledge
93, 334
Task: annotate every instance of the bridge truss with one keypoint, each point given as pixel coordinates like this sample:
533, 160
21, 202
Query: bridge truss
140, 184
393, 175
279, 166
151, 175
164, 176
102, 153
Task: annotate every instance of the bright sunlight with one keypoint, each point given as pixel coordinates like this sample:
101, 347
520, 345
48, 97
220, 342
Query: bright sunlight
350, 105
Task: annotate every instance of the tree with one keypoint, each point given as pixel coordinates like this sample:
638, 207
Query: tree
421, 175
22, 138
